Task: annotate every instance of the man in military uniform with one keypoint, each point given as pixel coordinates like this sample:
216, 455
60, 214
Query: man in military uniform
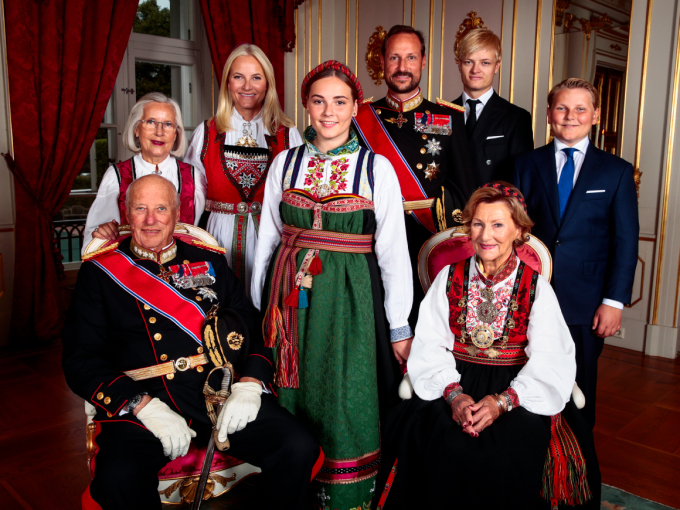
426, 144
133, 348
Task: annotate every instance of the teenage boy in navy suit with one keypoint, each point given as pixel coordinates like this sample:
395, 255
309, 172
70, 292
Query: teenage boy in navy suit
584, 203
496, 129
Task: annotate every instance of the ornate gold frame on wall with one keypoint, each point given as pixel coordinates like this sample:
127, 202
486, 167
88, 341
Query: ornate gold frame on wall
470, 23
374, 54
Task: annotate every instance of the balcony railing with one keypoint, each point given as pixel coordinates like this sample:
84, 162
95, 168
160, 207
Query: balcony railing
69, 233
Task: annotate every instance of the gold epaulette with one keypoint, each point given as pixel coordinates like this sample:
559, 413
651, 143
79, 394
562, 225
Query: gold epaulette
99, 252
453, 106
206, 246
368, 100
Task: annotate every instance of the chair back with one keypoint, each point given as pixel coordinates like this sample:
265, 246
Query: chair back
452, 245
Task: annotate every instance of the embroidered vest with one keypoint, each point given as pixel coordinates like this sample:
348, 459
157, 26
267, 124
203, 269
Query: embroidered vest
225, 177
126, 173
509, 350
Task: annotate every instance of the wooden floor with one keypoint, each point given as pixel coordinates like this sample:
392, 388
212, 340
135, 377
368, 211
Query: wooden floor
42, 430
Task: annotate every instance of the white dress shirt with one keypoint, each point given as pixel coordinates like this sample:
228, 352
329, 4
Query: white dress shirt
545, 382
484, 98
579, 155
105, 205
220, 225
391, 247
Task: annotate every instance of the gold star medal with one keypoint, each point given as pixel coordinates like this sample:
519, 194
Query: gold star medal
432, 171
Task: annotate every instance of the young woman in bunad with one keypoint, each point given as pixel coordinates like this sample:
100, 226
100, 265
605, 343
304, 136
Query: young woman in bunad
234, 150
154, 132
493, 367
338, 292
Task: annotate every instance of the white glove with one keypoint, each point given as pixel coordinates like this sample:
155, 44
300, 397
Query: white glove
168, 426
240, 409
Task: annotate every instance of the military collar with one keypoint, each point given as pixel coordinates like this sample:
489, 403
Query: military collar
165, 255
405, 106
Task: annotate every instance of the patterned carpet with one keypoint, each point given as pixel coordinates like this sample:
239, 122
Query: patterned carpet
616, 499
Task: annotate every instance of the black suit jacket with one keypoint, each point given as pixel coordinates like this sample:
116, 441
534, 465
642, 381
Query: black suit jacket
595, 245
108, 331
503, 131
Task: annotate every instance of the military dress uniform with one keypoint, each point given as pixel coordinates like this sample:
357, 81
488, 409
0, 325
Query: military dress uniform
109, 331
433, 143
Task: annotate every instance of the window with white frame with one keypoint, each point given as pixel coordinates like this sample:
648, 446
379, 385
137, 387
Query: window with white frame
167, 52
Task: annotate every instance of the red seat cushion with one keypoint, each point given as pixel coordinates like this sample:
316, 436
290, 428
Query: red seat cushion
455, 249
192, 462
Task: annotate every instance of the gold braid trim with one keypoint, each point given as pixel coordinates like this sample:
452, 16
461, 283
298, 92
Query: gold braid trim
441, 215
210, 247
100, 251
453, 106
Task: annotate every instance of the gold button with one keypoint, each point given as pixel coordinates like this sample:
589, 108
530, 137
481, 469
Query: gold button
424, 137
185, 262
164, 357
419, 166
152, 320
423, 150
200, 350
109, 415
107, 400
378, 111
147, 307
170, 376
100, 395
427, 111
199, 298
199, 369
157, 336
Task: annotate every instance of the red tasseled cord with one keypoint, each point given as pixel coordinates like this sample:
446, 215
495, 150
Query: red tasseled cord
315, 266
293, 298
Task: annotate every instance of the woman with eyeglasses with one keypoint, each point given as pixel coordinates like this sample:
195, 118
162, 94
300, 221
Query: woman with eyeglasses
155, 133
234, 150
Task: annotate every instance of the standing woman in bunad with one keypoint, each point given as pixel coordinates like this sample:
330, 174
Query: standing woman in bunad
234, 150
332, 231
155, 133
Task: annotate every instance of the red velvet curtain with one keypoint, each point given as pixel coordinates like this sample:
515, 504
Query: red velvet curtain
269, 24
63, 58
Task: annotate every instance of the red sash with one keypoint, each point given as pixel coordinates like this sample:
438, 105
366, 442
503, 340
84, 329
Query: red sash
373, 132
151, 290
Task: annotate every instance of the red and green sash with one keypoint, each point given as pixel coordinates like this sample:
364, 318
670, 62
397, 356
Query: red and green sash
154, 292
373, 132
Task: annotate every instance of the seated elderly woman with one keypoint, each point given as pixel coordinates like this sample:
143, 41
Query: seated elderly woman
492, 366
155, 133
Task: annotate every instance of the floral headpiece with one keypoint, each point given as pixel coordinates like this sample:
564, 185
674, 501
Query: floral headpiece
330, 64
508, 192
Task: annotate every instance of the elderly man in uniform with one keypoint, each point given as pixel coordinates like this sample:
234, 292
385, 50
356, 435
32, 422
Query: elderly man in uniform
426, 144
133, 348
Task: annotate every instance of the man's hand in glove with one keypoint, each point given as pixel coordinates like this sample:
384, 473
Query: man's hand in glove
241, 407
166, 425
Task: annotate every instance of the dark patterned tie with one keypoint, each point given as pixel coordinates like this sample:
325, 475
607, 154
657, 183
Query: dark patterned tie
566, 179
472, 117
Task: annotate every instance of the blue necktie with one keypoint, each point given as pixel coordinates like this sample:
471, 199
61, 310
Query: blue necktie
566, 180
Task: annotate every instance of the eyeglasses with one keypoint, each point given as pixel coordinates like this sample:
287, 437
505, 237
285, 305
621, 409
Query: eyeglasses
150, 125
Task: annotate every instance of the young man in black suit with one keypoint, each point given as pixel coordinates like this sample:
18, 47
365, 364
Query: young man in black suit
497, 130
584, 203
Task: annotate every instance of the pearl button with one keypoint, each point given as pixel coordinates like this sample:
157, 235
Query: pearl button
488, 161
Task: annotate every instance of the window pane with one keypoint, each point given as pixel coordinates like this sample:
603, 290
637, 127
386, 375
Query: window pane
167, 18
109, 114
172, 80
102, 154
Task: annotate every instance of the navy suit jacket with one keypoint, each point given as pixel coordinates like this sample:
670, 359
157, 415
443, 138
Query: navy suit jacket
595, 246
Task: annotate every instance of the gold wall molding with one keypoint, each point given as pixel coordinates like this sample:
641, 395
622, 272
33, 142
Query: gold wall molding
347, 33
374, 54
560, 6
512, 52
441, 52
429, 53
470, 23
537, 54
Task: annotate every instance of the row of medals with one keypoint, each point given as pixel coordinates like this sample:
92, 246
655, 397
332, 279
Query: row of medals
482, 336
